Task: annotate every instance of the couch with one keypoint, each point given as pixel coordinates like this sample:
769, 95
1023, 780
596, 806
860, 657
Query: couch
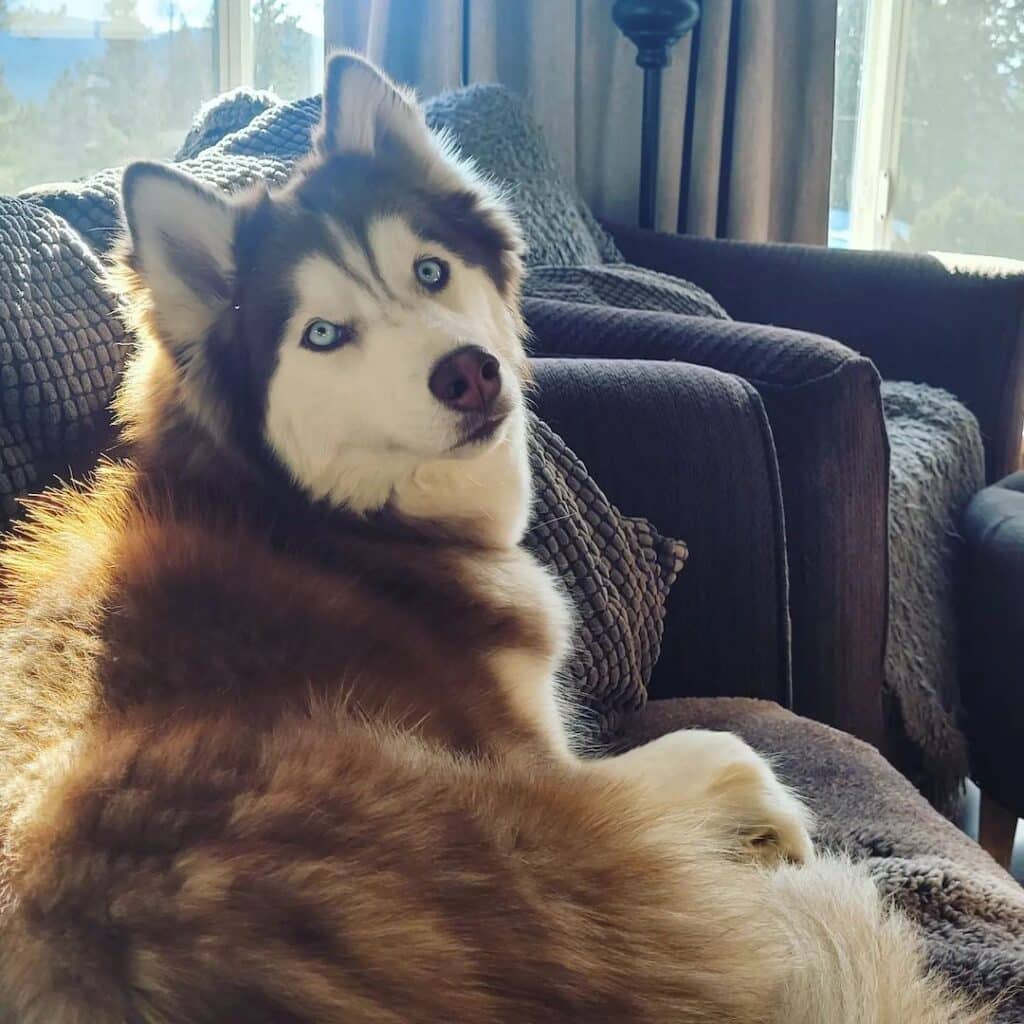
815, 331
690, 447
874, 472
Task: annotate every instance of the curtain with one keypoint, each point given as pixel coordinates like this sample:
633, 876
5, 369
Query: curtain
746, 118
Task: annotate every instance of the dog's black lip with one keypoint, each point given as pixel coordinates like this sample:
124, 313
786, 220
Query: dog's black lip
484, 432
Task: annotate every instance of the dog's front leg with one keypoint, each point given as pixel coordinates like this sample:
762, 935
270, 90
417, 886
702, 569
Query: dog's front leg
718, 776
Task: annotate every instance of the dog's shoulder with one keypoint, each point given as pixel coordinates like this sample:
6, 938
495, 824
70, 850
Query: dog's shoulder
122, 596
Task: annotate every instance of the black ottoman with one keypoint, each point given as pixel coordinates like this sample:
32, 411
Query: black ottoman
993, 656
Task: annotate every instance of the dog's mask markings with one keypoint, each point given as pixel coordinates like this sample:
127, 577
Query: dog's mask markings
354, 284
374, 394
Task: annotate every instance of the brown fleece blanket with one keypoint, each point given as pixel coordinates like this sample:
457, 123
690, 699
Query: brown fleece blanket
970, 910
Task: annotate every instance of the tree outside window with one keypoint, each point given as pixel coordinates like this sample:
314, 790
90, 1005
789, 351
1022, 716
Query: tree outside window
956, 174
87, 85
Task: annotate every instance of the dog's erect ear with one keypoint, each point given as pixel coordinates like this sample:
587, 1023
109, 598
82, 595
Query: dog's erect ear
182, 239
365, 112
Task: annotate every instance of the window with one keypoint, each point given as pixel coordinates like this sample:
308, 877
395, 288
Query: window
929, 126
87, 84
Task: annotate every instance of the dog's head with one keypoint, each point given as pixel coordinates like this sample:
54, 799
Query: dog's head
360, 326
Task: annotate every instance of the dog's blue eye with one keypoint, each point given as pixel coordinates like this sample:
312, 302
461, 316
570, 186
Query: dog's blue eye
322, 335
431, 272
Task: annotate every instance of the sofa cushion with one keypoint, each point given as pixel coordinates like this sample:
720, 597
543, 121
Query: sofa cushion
970, 911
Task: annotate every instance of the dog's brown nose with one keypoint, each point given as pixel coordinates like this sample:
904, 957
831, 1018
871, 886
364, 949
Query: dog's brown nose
468, 379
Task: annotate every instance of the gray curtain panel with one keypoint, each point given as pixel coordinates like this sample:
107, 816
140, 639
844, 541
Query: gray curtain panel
746, 125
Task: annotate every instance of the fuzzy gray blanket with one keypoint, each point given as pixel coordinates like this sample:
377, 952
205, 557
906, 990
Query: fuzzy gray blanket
937, 464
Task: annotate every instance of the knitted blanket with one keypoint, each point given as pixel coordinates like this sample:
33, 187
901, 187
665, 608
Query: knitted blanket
937, 465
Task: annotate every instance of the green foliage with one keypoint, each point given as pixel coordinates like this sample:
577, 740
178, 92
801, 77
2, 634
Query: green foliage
962, 129
965, 223
138, 97
281, 49
963, 116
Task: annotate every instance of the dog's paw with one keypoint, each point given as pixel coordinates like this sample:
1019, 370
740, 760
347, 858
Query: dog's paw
770, 823
721, 781
778, 830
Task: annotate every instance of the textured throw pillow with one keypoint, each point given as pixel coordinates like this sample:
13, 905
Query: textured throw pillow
623, 286
61, 349
618, 570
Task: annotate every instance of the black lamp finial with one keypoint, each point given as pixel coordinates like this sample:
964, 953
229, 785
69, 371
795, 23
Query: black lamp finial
654, 27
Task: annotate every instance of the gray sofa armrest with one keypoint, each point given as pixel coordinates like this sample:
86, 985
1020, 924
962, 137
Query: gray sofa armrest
914, 317
690, 449
824, 406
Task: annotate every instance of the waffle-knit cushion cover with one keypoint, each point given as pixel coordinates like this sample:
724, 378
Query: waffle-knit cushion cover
61, 347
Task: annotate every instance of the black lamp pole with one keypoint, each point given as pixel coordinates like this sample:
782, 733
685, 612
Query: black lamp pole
654, 26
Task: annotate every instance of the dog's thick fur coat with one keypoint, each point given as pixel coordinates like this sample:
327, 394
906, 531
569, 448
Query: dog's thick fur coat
280, 740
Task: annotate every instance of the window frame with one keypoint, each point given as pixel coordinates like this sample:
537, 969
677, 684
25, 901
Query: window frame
236, 62
879, 114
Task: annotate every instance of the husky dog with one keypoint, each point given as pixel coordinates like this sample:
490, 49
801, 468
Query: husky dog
279, 739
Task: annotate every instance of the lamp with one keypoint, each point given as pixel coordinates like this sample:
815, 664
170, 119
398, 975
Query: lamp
654, 26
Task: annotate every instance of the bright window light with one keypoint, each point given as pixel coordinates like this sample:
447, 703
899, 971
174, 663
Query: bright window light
88, 84
929, 127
